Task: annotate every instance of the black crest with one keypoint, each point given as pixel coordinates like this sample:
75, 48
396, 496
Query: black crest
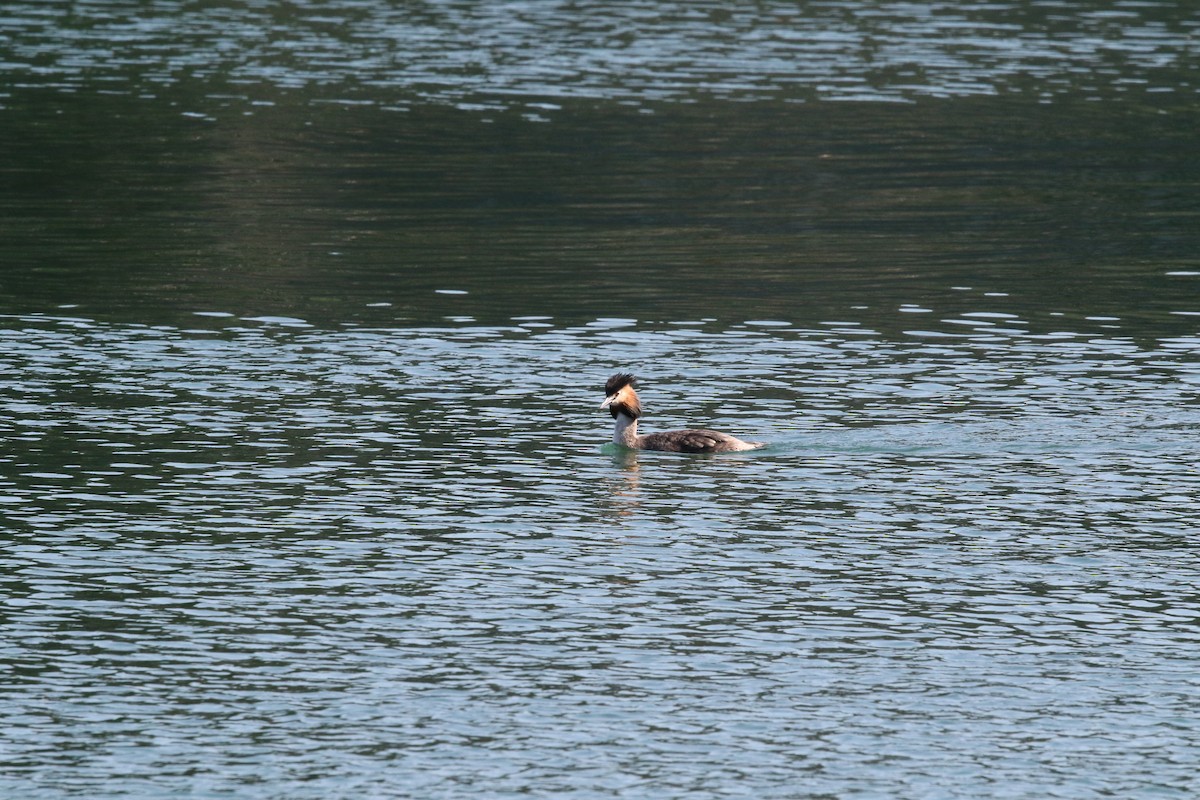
618, 382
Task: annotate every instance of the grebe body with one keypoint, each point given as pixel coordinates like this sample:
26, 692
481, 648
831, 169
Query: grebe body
622, 402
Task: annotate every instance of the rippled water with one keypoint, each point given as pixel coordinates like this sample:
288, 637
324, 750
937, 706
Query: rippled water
532, 53
305, 312
255, 558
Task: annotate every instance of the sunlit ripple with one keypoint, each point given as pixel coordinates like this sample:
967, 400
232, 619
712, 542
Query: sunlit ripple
408, 547
488, 56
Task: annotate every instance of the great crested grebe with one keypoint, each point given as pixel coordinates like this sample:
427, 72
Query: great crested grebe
622, 402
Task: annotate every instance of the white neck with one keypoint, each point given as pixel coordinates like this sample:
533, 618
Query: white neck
625, 431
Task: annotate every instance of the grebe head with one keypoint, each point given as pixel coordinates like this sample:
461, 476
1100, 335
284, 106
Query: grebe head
620, 398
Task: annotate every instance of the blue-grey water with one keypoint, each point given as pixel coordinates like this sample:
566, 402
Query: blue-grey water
305, 315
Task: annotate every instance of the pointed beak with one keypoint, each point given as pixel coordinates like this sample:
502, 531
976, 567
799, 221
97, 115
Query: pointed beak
608, 401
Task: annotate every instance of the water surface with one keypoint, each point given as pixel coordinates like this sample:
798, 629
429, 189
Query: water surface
305, 314
268, 560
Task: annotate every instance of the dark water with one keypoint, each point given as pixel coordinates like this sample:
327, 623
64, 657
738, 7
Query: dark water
304, 315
